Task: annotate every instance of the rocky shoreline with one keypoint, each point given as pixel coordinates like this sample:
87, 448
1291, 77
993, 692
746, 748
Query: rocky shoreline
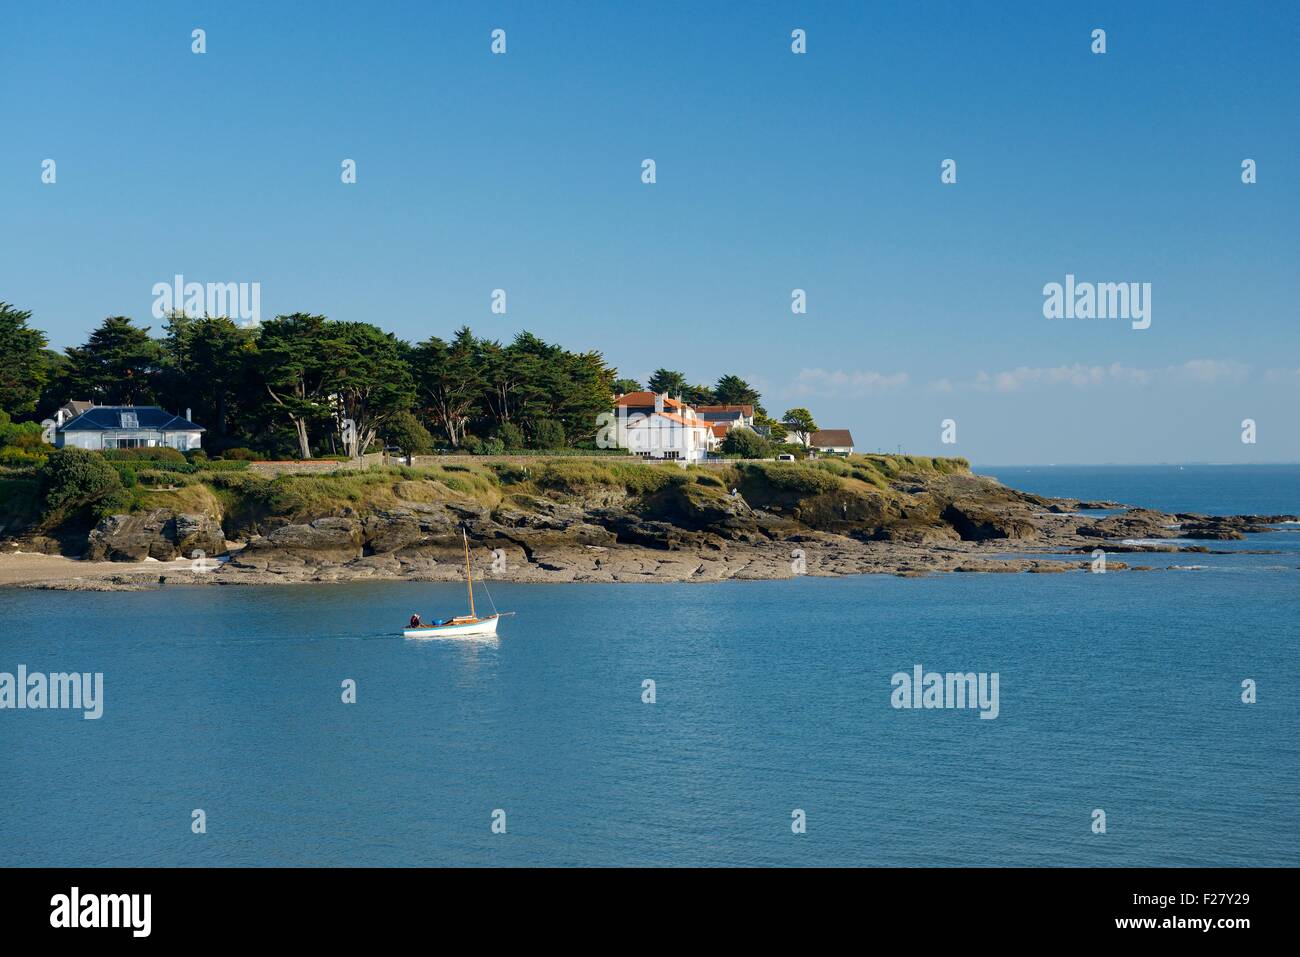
960, 523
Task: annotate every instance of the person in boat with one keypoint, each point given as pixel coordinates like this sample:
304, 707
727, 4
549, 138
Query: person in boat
415, 621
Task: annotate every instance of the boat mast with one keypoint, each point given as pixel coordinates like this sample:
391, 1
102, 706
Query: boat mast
469, 575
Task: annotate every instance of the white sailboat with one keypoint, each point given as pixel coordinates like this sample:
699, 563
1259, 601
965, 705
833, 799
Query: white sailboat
462, 626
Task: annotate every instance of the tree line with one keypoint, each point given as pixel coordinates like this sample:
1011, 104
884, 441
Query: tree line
304, 385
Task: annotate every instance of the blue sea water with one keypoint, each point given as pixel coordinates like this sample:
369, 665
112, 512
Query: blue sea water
1209, 489
1120, 692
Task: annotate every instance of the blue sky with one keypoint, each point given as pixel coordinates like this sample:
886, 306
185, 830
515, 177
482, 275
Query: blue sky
775, 172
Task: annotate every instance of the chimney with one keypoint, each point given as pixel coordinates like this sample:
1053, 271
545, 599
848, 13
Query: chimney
187, 414
659, 402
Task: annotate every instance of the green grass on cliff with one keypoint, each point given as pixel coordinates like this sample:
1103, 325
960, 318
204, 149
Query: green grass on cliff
246, 501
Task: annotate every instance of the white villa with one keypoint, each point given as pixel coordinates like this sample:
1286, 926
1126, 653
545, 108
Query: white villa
661, 427
101, 427
832, 441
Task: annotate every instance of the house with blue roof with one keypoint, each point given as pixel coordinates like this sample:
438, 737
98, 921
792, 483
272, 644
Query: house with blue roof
129, 427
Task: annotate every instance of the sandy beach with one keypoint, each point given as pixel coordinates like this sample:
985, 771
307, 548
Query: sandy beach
26, 568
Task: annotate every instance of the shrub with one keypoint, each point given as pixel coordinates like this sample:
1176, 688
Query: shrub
22, 444
73, 478
748, 444
405, 431
14, 457
508, 473
835, 467
182, 467
155, 477
150, 454
117, 502
25, 435
491, 447
239, 453
548, 434
511, 436
196, 456
793, 477
634, 476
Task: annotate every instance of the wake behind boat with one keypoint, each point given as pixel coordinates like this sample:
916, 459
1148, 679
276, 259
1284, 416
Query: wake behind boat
462, 626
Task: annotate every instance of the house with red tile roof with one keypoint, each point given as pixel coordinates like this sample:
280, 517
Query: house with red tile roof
661, 427
728, 416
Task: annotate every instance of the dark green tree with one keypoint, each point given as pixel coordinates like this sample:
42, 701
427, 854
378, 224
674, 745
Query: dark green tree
696, 395
367, 378
746, 443
733, 390
292, 367
548, 434
118, 365
799, 423
448, 381
405, 431
665, 380
56, 390
206, 368
23, 369
511, 436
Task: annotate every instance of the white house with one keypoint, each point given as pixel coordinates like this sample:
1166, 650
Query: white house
730, 416
832, 441
129, 427
661, 427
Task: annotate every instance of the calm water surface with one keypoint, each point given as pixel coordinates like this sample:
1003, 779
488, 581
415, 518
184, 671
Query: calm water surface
1118, 691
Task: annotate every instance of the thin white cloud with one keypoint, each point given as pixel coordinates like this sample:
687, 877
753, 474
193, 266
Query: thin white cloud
1210, 370
1282, 375
1080, 376
837, 383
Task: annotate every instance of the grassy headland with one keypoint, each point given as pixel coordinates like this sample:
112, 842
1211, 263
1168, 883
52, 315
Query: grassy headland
820, 493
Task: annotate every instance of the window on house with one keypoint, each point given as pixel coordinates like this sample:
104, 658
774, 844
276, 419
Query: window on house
129, 420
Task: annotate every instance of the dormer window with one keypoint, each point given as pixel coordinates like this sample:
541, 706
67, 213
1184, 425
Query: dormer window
129, 420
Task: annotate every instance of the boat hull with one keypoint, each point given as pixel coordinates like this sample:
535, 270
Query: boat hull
482, 628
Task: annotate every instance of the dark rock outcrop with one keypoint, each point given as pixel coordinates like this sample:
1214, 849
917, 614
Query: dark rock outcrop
976, 522
1134, 523
161, 534
1216, 532
334, 539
